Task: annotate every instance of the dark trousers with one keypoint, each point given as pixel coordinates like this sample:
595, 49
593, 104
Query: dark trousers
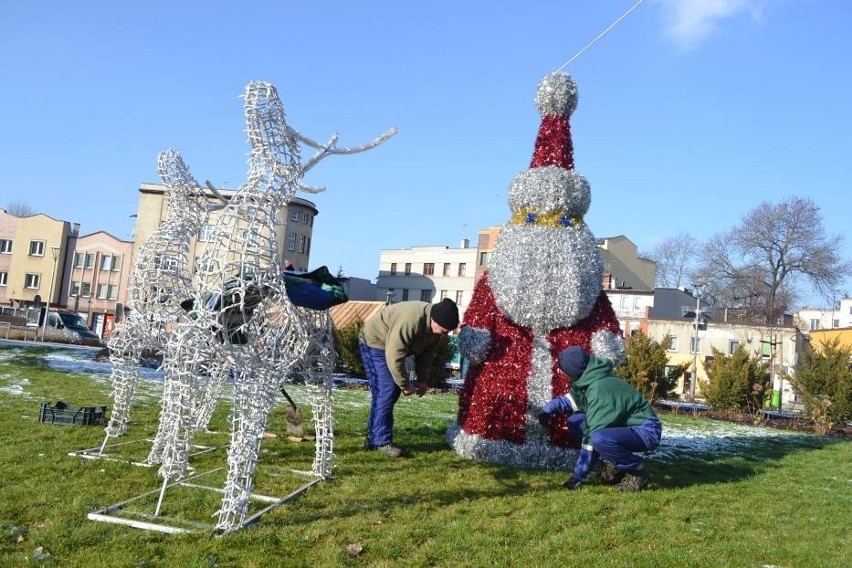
619, 445
384, 393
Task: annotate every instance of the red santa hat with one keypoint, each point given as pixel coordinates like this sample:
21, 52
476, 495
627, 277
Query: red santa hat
551, 192
555, 99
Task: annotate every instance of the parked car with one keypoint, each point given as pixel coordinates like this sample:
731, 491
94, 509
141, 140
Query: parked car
73, 326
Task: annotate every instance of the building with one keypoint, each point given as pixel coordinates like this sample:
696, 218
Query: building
839, 316
295, 225
360, 289
673, 316
623, 269
32, 258
96, 271
428, 274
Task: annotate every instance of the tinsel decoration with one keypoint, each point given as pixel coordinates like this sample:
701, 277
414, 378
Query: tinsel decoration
542, 294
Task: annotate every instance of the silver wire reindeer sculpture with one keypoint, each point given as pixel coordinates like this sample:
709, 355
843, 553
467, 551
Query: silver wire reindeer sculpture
160, 279
242, 324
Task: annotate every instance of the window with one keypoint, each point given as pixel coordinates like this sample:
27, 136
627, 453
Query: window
86, 289
165, 263
78, 259
484, 257
461, 268
303, 241
304, 218
308, 246
31, 280
732, 346
446, 269
393, 269
75, 289
4, 278
425, 295
5, 246
459, 296
637, 302
294, 216
695, 345
622, 301
90, 260
291, 241
443, 294
112, 292
407, 268
672, 343
106, 262
102, 292
36, 248
835, 323
205, 234
428, 268
814, 324
405, 294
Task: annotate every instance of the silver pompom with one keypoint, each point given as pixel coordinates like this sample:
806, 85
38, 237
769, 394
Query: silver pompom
556, 95
607, 345
474, 344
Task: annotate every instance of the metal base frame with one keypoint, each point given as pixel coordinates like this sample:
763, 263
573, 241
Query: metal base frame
172, 525
97, 453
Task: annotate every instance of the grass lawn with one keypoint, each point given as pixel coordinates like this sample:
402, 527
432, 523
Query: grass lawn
722, 494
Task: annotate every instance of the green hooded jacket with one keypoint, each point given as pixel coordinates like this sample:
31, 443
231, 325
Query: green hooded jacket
607, 400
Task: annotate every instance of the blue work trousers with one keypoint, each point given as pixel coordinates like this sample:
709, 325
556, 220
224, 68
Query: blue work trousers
619, 445
384, 393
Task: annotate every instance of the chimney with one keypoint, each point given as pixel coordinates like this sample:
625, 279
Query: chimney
465, 243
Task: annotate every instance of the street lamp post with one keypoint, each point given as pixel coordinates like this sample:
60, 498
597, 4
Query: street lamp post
55, 251
695, 343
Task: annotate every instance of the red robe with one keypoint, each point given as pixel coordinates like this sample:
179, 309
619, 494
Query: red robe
493, 400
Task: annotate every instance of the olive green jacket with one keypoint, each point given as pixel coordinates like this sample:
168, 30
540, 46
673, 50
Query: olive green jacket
401, 330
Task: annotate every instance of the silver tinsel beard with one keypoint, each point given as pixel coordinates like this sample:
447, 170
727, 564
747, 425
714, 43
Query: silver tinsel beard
544, 277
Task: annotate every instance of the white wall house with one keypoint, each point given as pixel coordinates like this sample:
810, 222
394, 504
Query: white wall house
428, 273
812, 319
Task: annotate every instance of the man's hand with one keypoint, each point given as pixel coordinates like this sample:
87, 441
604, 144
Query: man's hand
408, 389
421, 388
544, 419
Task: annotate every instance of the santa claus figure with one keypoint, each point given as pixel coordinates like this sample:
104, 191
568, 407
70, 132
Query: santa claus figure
541, 294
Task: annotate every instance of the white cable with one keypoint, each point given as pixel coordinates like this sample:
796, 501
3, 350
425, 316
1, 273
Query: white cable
600, 35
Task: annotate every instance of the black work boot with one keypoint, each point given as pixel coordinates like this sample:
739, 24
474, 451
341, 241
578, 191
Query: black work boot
635, 480
605, 473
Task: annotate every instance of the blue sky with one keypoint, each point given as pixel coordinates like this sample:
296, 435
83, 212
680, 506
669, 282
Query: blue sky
691, 112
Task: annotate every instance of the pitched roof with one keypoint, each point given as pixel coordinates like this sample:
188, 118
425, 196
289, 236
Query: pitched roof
352, 311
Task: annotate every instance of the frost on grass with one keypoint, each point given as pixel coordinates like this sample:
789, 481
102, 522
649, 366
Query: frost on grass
713, 438
704, 439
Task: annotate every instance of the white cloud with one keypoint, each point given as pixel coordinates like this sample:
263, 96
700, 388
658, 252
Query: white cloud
689, 22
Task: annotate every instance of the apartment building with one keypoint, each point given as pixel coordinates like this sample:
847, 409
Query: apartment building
294, 225
814, 319
96, 271
32, 254
428, 274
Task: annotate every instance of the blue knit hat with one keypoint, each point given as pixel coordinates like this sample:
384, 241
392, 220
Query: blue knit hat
573, 361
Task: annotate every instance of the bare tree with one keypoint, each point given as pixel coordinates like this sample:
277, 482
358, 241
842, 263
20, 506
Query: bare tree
675, 257
760, 263
19, 209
